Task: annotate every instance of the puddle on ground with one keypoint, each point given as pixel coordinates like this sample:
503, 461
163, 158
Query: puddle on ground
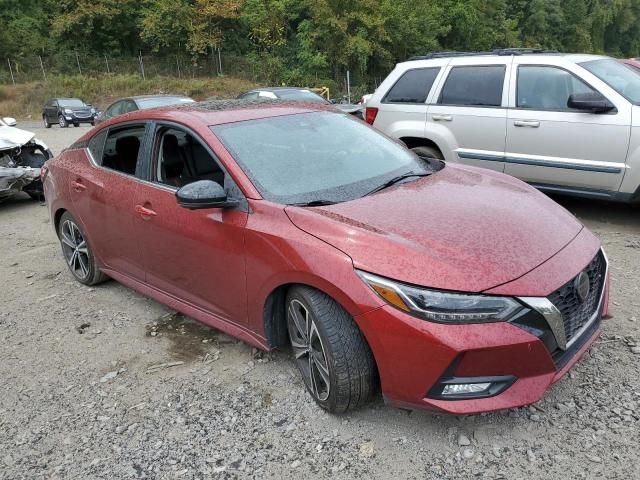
189, 339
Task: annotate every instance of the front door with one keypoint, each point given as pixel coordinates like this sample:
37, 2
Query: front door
103, 188
549, 144
194, 255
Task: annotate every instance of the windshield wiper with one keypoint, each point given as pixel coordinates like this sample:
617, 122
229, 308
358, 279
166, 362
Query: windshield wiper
397, 179
314, 203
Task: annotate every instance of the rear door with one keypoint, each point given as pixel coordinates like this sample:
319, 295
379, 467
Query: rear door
469, 115
549, 144
194, 255
103, 188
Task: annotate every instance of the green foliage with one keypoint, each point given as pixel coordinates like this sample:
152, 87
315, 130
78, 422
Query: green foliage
313, 41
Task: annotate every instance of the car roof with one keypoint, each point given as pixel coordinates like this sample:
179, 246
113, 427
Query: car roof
217, 112
142, 97
279, 89
507, 53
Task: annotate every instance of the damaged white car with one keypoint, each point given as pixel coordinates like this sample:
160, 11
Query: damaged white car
21, 157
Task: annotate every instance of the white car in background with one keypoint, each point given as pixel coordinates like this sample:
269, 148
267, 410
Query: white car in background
565, 123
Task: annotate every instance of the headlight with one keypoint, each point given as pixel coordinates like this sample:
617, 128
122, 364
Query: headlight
68, 110
442, 307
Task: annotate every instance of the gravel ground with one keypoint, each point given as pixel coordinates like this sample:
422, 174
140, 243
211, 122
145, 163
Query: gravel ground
104, 383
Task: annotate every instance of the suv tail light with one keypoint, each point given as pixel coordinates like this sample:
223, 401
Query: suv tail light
370, 114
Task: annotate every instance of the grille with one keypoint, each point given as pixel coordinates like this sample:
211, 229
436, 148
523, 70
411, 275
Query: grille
82, 114
575, 313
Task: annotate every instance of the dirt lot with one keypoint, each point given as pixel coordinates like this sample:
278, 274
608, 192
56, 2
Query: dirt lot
104, 383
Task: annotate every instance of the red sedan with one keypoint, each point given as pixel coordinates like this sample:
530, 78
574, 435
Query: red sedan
447, 287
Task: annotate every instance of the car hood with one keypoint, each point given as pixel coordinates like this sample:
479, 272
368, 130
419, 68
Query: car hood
11, 137
460, 229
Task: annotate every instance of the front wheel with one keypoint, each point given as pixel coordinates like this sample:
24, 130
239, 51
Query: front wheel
77, 252
330, 351
63, 122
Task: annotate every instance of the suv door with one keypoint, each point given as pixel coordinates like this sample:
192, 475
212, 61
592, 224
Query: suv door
195, 255
103, 185
555, 147
470, 117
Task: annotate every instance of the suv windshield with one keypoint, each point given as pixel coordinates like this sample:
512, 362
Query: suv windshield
71, 102
618, 76
315, 157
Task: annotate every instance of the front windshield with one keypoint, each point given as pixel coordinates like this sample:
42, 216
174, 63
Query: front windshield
319, 156
620, 77
301, 96
71, 102
162, 101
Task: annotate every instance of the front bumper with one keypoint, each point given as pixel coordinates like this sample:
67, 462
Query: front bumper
75, 119
416, 358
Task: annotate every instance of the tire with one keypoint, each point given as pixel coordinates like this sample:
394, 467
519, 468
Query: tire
428, 152
335, 361
62, 122
76, 124
93, 124
46, 122
82, 264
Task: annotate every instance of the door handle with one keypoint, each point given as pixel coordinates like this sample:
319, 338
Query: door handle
78, 187
144, 212
442, 118
527, 123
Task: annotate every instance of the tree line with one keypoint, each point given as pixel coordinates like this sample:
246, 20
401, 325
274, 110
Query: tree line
306, 41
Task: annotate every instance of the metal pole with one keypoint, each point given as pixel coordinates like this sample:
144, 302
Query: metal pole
220, 60
78, 62
348, 87
106, 60
178, 67
142, 66
42, 67
11, 71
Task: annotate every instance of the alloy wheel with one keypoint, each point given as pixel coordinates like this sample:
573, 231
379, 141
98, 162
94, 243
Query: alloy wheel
308, 350
75, 249
62, 121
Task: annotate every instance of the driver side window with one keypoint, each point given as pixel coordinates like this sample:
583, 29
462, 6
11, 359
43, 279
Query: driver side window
547, 88
182, 159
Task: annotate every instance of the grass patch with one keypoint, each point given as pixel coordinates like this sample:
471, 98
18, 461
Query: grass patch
26, 100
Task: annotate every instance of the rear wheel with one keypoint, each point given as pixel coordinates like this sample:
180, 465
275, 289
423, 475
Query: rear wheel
46, 122
428, 152
330, 351
77, 252
63, 122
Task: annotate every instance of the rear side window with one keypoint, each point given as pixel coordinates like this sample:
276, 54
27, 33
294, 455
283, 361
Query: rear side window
96, 146
413, 86
122, 148
476, 86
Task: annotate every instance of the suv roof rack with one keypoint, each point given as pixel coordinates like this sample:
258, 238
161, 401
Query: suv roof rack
497, 51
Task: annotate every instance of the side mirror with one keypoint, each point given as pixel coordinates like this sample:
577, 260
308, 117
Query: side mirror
11, 122
204, 194
591, 102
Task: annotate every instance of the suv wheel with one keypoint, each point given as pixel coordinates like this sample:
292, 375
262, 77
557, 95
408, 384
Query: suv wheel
77, 252
330, 351
428, 152
45, 122
63, 122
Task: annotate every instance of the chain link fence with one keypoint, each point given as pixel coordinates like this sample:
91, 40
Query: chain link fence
14, 70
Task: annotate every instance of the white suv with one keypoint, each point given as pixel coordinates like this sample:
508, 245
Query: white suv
564, 123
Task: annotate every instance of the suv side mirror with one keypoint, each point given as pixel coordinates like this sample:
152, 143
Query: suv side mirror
204, 194
590, 101
11, 122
